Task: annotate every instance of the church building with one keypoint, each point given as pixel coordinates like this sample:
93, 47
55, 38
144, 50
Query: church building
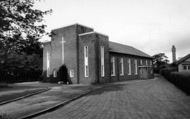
91, 58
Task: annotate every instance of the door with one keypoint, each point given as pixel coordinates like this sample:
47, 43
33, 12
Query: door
143, 72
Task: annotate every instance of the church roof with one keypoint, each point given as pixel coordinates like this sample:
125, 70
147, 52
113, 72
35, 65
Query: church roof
125, 49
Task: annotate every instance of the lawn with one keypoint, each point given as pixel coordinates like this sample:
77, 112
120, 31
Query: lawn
8, 94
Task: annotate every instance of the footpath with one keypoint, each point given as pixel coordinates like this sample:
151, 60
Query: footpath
51, 99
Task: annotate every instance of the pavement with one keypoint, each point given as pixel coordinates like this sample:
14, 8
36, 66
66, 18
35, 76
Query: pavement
143, 99
56, 96
17, 91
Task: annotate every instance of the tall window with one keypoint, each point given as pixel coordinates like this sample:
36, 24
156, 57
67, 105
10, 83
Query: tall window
129, 65
54, 73
86, 67
121, 67
102, 62
141, 62
112, 66
48, 63
136, 68
150, 63
146, 63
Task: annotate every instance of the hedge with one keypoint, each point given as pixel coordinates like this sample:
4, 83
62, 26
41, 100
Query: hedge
180, 79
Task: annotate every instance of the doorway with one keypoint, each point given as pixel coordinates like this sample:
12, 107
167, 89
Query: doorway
143, 72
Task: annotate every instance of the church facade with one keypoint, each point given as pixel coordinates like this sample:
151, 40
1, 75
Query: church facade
91, 58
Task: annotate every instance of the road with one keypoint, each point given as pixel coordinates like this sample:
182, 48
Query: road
143, 99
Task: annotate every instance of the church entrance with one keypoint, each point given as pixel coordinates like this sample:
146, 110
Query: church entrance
143, 72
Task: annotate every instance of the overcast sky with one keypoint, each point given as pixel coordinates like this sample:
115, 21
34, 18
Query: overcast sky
152, 26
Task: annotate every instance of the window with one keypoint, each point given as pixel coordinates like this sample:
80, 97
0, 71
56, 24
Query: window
121, 67
136, 69
129, 65
71, 72
146, 63
86, 68
150, 63
141, 62
184, 67
189, 67
102, 61
54, 73
48, 63
112, 66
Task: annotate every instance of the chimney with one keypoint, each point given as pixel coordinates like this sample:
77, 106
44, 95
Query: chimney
173, 53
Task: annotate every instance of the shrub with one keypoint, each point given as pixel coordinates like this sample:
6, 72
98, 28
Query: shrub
180, 79
167, 71
63, 74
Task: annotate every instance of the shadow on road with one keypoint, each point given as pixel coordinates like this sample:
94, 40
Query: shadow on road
108, 88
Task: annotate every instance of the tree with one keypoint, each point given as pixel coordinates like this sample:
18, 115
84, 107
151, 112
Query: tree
21, 28
20, 24
160, 61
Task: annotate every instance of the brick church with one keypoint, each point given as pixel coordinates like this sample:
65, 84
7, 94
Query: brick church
91, 58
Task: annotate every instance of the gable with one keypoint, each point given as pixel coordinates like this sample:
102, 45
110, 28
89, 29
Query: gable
188, 59
185, 59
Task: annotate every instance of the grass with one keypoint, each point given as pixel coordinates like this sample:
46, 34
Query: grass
15, 95
4, 116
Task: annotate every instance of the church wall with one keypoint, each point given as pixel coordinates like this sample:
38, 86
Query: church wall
126, 76
90, 41
70, 35
103, 40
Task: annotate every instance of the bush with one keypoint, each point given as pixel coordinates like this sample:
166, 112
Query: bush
63, 74
180, 79
166, 72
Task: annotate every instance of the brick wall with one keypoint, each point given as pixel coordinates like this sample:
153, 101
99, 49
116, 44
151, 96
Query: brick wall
90, 41
94, 41
103, 40
70, 35
126, 76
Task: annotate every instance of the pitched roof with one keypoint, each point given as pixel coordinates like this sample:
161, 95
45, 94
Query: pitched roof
125, 49
182, 59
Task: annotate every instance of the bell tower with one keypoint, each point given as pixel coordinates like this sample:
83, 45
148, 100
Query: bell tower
173, 53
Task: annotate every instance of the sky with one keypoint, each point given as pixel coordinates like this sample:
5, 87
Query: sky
152, 26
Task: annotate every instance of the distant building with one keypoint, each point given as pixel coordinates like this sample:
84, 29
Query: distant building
91, 58
183, 64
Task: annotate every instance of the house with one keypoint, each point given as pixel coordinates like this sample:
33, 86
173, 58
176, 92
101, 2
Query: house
91, 58
183, 64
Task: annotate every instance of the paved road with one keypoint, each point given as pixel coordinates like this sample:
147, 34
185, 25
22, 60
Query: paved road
145, 99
